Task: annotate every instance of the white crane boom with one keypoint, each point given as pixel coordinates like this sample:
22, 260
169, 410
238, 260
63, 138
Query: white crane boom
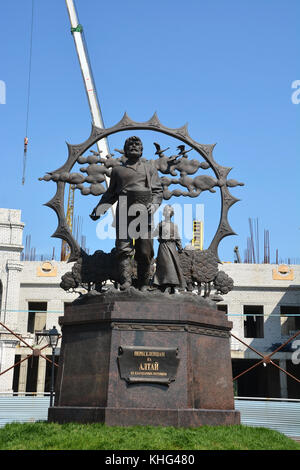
87, 76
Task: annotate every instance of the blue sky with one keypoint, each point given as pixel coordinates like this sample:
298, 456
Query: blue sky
226, 68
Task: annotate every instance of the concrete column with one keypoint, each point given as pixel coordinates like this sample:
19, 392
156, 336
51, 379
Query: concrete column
41, 375
7, 359
23, 375
235, 309
283, 379
11, 301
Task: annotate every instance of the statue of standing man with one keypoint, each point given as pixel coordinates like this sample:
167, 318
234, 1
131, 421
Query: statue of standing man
136, 186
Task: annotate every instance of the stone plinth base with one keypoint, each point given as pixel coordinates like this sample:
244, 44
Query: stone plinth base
92, 387
144, 417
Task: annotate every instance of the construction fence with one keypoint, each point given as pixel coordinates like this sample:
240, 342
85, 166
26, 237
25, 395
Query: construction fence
277, 414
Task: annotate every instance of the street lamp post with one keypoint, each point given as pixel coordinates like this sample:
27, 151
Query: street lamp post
53, 339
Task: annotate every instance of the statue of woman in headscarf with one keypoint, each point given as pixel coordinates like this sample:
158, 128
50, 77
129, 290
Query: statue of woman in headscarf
168, 275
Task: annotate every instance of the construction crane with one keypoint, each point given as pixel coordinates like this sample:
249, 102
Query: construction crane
90, 88
197, 241
65, 248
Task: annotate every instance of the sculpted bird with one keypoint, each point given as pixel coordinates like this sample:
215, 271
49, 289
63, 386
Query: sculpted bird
182, 151
159, 152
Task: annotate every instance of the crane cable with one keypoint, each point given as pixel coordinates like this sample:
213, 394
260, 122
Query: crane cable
28, 95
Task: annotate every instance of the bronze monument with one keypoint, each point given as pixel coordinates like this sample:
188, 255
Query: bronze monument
149, 347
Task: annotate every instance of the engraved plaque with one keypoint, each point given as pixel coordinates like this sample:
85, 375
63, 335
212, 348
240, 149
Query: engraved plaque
148, 364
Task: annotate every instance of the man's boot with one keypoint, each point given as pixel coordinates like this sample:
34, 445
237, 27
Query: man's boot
125, 273
143, 273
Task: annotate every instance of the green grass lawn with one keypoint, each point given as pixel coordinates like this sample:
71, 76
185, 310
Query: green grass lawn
52, 436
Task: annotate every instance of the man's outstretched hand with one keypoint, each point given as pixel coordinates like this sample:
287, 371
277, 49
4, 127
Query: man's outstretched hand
100, 210
93, 215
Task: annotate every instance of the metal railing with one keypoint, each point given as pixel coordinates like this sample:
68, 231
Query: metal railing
266, 358
35, 351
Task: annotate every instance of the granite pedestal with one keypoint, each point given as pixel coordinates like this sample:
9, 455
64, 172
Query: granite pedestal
89, 386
